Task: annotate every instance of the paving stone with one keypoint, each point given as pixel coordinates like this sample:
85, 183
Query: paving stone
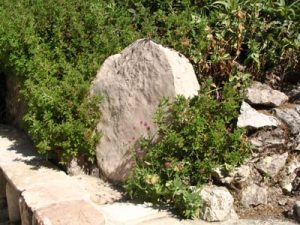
69, 213
124, 212
42, 196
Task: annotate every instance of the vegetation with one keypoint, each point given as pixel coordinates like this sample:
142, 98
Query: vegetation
195, 136
54, 48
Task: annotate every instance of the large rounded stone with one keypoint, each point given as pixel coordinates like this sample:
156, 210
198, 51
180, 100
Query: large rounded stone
132, 84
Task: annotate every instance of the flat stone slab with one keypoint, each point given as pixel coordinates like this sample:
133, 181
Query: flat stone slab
100, 191
69, 213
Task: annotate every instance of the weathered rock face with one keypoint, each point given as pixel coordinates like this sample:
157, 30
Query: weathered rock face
271, 165
254, 195
237, 178
289, 174
262, 94
291, 117
249, 117
268, 138
217, 204
132, 84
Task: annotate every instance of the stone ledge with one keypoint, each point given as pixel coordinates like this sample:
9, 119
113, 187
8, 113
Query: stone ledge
37, 192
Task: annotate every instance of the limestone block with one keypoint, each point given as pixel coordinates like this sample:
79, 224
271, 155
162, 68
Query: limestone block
217, 204
271, 165
262, 94
249, 117
132, 84
39, 197
68, 213
254, 195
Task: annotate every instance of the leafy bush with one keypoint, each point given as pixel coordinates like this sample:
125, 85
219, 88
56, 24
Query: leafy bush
262, 35
55, 47
195, 135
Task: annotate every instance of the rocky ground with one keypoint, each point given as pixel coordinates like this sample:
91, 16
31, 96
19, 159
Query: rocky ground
267, 185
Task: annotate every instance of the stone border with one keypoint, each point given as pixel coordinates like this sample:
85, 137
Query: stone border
37, 193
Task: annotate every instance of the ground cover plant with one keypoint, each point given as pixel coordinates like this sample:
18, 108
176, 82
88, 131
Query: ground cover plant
55, 47
195, 136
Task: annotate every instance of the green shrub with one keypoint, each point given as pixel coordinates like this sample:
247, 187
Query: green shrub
262, 35
55, 47
195, 135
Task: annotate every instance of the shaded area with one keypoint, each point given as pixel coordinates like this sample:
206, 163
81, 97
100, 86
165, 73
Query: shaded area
3, 92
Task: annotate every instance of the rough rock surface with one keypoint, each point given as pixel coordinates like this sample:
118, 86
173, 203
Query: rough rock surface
289, 175
271, 165
217, 204
132, 84
254, 195
262, 94
268, 138
249, 117
291, 117
237, 177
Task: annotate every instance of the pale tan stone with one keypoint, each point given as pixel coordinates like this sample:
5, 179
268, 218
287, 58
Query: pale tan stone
68, 213
132, 84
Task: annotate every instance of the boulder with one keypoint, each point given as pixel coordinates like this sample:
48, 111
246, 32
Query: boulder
262, 94
291, 117
132, 84
271, 165
251, 118
254, 195
217, 204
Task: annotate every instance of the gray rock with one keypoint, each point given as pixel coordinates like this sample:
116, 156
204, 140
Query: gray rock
254, 195
271, 165
289, 175
132, 83
238, 176
262, 94
217, 204
291, 117
249, 117
268, 138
